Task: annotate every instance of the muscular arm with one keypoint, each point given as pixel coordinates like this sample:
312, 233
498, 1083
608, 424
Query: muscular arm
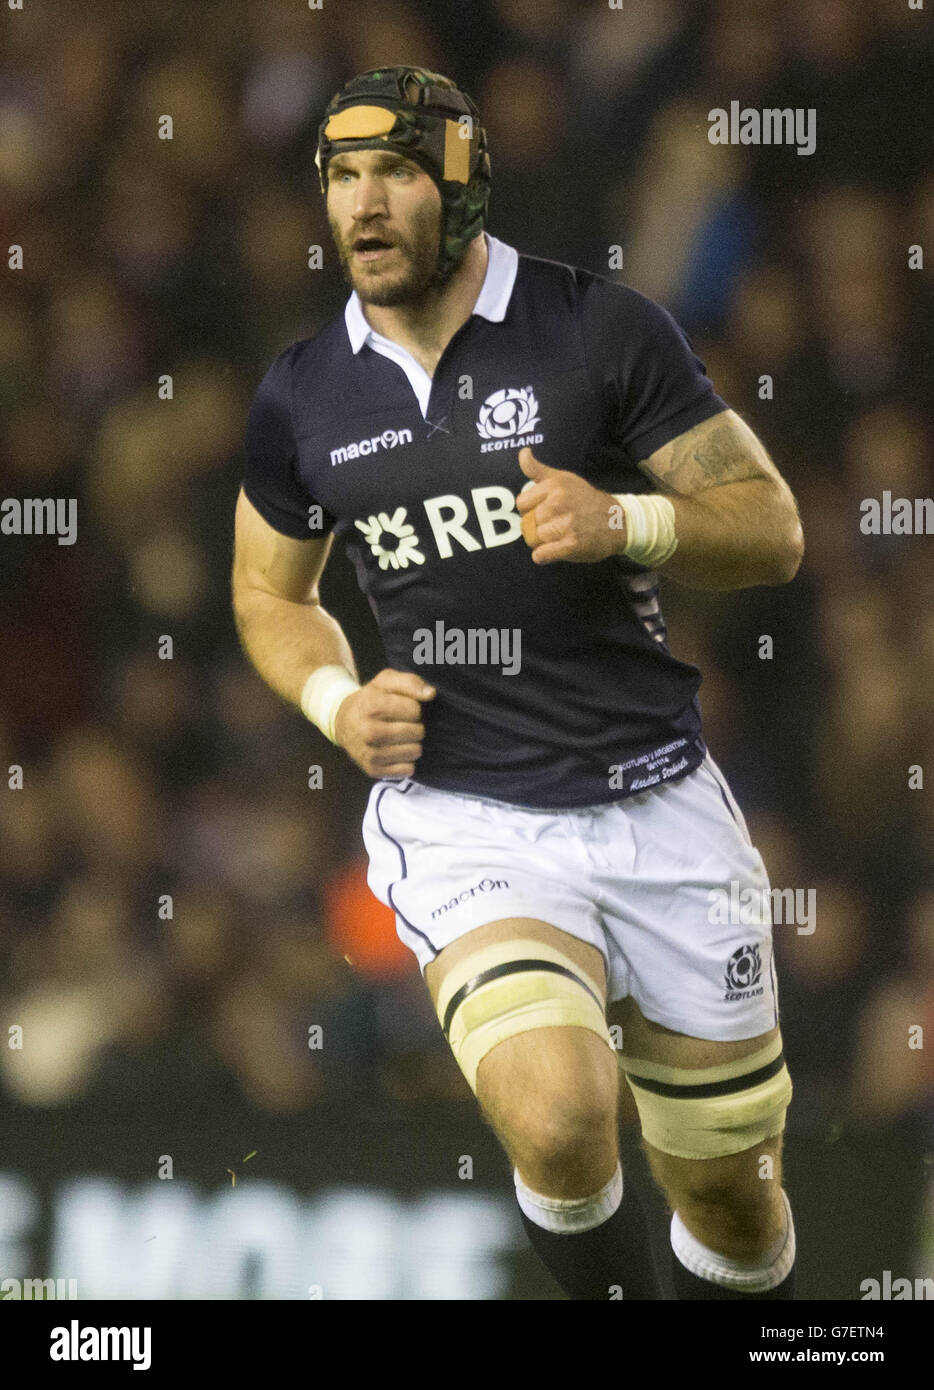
735, 517
283, 628
288, 635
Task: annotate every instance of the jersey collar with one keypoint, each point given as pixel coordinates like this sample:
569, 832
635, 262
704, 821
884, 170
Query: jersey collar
492, 301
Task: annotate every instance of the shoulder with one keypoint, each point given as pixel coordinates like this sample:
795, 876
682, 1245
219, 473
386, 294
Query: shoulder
312, 362
537, 277
585, 287
602, 306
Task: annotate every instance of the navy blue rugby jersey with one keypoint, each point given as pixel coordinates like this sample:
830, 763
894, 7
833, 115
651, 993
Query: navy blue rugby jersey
556, 687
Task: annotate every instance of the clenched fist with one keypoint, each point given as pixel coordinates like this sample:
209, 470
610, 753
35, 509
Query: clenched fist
380, 725
564, 517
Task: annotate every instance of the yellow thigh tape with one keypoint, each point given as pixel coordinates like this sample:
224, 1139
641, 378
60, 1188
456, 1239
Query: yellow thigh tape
725, 1118
509, 988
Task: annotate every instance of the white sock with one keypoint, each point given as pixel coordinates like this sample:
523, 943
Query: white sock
751, 1276
565, 1216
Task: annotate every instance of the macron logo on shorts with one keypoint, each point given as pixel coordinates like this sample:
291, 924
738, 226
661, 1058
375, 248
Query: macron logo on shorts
486, 885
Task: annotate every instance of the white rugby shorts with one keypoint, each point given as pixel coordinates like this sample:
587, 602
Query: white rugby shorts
652, 881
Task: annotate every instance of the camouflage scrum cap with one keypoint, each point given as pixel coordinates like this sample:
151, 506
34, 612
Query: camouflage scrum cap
425, 117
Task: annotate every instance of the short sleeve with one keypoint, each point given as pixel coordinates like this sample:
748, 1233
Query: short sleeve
271, 479
646, 363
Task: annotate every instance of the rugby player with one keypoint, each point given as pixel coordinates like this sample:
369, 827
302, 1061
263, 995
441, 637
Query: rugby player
512, 449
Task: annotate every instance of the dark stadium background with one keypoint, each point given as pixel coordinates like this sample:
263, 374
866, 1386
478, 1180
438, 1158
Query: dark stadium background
150, 1039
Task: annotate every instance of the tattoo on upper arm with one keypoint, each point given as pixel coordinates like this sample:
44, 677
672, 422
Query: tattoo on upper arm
709, 455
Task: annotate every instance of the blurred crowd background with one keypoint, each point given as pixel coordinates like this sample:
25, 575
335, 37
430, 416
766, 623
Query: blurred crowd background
148, 779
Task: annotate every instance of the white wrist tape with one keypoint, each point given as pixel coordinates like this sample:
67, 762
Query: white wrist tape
650, 527
323, 693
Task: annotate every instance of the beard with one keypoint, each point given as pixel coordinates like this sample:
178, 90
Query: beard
413, 280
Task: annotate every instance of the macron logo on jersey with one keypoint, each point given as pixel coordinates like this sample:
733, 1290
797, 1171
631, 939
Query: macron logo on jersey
389, 439
507, 419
